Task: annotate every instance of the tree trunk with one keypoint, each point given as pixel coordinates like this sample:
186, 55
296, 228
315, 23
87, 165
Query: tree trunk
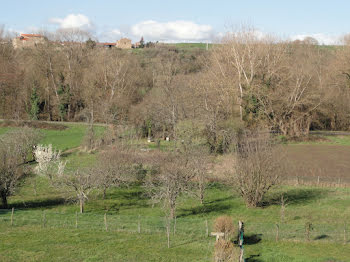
4, 200
201, 197
172, 210
68, 114
240, 101
81, 201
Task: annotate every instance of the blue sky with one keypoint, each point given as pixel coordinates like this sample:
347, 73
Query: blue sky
179, 20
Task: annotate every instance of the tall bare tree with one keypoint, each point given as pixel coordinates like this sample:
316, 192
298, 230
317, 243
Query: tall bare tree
171, 179
14, 148
115, 168
259, 163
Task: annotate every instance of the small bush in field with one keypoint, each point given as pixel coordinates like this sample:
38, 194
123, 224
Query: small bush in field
226, 251
225, 225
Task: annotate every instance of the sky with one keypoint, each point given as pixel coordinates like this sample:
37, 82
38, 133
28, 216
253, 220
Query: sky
180, 20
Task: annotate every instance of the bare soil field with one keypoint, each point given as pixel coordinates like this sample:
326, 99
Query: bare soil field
329, 162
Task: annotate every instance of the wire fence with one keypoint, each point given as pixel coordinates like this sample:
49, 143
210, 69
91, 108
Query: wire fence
319, 181
189, 227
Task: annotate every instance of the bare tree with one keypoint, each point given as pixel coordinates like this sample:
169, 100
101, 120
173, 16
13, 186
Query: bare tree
241, 54
72, 35
292, 88
171, 178
277, 84
81, 182
11, 170
200, 163
14, 146
196, 156
115, 168
259, 163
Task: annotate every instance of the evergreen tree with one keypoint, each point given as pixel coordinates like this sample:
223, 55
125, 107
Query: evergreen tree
91, 44
142, 43
34, 103
64, 94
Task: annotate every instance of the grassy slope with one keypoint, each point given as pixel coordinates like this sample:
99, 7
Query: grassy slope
63, 139
28, 241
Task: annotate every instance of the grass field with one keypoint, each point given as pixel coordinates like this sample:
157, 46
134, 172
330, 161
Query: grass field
44, 225
37, 244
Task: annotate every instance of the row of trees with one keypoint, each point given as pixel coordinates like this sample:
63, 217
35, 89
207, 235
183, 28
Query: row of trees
165, 176
66, 79
256, 159
246, 80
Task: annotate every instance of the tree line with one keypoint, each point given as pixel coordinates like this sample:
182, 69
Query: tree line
245, 80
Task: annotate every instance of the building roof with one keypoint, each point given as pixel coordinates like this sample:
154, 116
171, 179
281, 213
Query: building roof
31, 35
107, 43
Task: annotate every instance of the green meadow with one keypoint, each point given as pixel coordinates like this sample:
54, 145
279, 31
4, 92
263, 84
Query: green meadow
126, 227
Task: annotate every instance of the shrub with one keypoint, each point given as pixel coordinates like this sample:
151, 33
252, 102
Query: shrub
225, 225
226, 251
259, 163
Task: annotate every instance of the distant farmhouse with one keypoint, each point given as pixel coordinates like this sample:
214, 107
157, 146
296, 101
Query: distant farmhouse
28, 40
124, 43
110, 45
32, 40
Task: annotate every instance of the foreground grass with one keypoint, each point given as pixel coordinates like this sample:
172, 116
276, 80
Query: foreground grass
37, 244
49, 244
28, 240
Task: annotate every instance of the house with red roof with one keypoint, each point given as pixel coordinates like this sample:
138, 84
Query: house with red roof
28, 40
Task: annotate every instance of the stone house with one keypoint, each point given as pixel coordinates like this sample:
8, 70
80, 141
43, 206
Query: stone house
124, 43
28, 40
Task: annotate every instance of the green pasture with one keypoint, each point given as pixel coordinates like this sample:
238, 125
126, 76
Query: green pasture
46, 226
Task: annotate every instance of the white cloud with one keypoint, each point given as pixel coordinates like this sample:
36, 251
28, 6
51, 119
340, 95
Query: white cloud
172, 31
325, 39
111, 36
73, 21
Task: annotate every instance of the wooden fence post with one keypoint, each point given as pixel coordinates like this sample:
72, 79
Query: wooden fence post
167, 221
206, 228
139, 225
105, 219
240, 241
345, 240
13, 210
318, 180
44, 219
76, 219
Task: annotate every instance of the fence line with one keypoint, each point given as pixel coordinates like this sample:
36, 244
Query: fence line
191, 227
318, 181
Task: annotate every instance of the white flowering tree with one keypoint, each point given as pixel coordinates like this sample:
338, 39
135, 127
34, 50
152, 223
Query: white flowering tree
48, 160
